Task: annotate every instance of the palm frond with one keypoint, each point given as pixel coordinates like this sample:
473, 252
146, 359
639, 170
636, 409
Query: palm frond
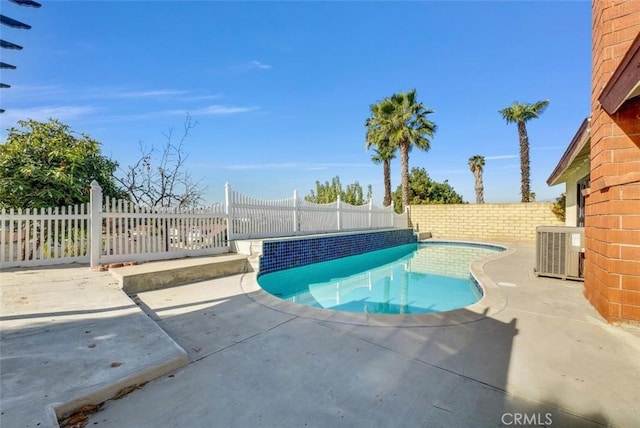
476, 163
523, 112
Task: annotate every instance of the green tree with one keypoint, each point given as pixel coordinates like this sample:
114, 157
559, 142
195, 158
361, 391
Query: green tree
559, 207
402, 120
46, 164
384, 152
329, 191
423, 190
520, 114
476, 165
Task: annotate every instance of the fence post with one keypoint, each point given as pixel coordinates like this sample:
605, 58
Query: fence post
405, 217
228, 211
95, 222
338, 211
296, 228
393, 210
370, 213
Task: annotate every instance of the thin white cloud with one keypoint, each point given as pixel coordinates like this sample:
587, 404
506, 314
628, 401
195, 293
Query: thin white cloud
174, 94
148, 94
39, 91
212, 110
216, 109
498, 157
259, 65
100, 92
202, 97
43, 113
240, 68
90, 93
292, 165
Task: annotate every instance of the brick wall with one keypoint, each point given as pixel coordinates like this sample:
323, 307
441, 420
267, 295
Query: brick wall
612, 263
483, 222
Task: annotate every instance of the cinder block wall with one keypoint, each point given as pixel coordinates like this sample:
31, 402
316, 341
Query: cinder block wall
483, 222
612, 224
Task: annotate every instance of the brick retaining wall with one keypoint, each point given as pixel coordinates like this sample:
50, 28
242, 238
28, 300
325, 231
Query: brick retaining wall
514, 222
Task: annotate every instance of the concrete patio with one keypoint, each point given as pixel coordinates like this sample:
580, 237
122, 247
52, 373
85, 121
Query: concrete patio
544, 357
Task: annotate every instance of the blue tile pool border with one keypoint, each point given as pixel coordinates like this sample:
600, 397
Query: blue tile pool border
285, 253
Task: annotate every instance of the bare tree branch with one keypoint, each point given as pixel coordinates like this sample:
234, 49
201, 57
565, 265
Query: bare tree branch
161, 178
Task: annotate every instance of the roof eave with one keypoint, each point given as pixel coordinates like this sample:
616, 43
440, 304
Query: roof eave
624, 84
578, 142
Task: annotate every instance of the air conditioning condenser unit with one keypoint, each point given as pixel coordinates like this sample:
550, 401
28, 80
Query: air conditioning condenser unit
559, 252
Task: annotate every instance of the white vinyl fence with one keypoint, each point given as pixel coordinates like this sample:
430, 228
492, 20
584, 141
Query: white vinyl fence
137, 233
259, 218
110, 231
44, 236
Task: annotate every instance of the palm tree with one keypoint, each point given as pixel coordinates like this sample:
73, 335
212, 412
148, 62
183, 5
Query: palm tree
402, 121
476, 164
384, 153
521, 114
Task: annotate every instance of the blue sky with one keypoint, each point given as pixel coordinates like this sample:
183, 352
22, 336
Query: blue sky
281, 90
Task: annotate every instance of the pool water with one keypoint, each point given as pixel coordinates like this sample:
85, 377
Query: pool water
408, 279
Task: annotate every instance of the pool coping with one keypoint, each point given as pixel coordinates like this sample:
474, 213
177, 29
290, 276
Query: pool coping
492, 302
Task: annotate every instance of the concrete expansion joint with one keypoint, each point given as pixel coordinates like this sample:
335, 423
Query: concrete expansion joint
242, 341
146, 309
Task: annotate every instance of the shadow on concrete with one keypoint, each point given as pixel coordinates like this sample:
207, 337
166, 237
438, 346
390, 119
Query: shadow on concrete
251, 365
65, 313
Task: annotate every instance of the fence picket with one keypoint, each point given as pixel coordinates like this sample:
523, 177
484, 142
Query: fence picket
46, 243
41, 234
16, 227
121, 247
4, 237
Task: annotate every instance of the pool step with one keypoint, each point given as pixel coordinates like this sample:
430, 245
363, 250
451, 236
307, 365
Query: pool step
252, 248
163, 274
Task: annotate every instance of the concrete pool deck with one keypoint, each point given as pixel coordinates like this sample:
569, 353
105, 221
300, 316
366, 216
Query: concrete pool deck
545, 357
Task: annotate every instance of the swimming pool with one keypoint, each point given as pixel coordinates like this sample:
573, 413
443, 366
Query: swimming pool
407, 279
